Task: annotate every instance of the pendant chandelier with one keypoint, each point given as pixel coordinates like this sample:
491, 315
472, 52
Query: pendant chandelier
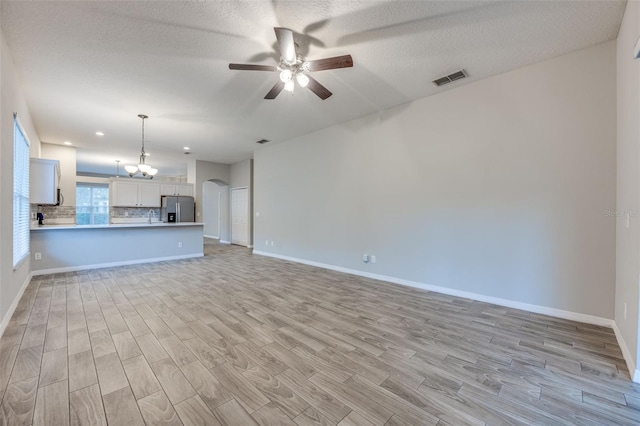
143, 168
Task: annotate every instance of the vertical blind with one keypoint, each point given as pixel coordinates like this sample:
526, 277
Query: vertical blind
20, 194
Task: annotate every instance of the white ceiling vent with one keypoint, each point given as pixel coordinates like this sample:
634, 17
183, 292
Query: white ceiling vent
458, 75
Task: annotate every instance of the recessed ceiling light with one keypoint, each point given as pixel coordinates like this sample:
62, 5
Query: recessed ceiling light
187, 148
99, 133
147, 154
67, 143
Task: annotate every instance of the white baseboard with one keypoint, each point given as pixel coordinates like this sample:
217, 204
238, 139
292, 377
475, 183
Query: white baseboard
558, 313
631, 365
14, 305
112, 264
215, 237
225, 242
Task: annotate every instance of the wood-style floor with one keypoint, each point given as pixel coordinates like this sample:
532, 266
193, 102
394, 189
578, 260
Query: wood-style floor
237, 339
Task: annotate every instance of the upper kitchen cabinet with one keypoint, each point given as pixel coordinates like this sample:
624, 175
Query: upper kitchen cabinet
129, 193
149, 194
177, 189
44, 181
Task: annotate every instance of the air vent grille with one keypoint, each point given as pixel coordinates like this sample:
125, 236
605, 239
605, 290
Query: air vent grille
458, 75
262, 141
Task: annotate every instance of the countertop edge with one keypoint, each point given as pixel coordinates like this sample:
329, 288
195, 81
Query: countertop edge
114, 226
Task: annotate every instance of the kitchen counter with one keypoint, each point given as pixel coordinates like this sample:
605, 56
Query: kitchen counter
114, 225
69, 247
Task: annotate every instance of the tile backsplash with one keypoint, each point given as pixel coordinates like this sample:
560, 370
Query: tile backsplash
54, 215
133, 214
61, 215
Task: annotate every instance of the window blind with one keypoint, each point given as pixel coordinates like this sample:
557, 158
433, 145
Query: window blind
20, 194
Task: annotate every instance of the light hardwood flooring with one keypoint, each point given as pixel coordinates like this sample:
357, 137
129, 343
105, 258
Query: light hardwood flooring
237, 339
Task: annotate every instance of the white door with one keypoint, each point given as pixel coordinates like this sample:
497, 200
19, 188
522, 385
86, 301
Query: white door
240, 216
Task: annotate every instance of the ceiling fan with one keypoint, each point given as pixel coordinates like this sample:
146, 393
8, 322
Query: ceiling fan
293, 67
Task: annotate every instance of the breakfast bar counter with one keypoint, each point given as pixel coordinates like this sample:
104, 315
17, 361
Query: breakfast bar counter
68, 247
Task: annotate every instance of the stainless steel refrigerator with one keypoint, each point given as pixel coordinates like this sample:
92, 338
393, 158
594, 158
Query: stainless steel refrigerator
177, 209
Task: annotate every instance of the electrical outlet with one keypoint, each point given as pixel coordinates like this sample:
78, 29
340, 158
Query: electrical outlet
126, 214
271, 243
38, 256
266, 242
365, 258
180, 244
372, 258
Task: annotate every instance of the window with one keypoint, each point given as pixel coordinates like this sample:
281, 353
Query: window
92, 204
20, 194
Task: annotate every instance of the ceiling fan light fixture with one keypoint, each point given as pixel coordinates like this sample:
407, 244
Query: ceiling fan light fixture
285, 76
302, 80
289, 86
294, 66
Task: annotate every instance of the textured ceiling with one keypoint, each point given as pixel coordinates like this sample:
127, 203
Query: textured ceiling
89, 66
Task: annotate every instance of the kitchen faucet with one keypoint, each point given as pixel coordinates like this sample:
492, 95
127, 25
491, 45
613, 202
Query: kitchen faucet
151, 214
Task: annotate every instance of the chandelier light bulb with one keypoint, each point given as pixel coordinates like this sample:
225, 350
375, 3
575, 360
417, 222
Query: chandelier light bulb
131, 170
144, 168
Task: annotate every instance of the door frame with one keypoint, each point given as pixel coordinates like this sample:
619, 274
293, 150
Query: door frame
248, 212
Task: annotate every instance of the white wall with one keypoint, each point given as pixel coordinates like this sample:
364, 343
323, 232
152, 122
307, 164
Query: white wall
11, 100
67, 157
628, 184
496, 188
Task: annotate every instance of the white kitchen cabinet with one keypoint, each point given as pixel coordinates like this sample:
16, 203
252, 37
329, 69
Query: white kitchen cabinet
127, 193
149, 194
44, 180
177, 189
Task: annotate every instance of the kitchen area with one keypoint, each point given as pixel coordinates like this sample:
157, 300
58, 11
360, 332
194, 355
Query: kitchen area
92, 222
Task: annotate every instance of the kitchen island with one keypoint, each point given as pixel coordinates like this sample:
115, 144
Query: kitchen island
64, 248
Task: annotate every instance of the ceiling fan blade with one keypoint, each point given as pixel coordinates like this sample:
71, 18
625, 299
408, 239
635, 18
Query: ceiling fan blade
286, 43
317, 88
275, 90
330, 63
250, 67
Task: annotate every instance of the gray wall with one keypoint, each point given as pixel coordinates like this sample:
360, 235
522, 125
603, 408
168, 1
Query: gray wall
628, 185
199, 172
497, 188
72, 249
12, 100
